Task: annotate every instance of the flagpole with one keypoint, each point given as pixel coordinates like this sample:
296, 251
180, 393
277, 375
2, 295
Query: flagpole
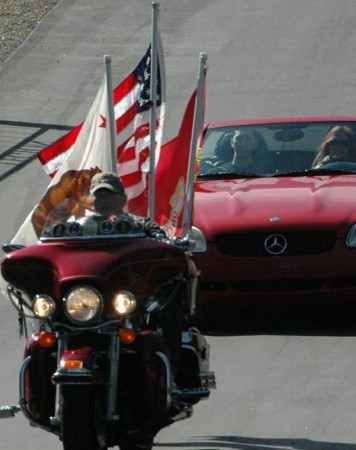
198, 122
153, 97
112, 123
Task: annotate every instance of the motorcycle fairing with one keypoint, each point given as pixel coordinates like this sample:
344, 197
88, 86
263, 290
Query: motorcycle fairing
46, 267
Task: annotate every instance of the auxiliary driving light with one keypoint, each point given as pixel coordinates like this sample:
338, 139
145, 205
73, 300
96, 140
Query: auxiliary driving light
125, 302
43, 306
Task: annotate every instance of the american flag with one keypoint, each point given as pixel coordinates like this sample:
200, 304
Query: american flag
132, 115
134, 140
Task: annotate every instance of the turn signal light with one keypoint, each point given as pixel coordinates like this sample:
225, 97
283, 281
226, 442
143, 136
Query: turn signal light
127, 335
71, 364
46, 339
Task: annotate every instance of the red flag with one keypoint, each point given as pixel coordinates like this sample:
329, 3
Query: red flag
131, 104
171, 174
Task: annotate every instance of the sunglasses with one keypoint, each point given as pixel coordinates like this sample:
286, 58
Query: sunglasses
339, 142
107, 194
244, 138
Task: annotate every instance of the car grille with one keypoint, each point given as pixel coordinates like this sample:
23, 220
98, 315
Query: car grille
279, 286
297, 243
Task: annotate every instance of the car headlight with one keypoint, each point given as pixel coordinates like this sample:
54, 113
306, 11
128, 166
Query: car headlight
125, 302
351, 237
43, 306
83, 304
199, 240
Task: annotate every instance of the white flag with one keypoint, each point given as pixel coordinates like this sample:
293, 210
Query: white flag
90, 154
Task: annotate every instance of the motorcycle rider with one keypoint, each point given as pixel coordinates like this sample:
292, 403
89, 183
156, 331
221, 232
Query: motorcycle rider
108, 194
109, 199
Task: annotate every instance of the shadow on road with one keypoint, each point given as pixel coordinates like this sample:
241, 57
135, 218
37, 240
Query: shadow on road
305, 318
249, 443
21, 141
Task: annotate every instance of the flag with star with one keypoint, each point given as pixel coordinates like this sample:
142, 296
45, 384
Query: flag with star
134, 139
90, 153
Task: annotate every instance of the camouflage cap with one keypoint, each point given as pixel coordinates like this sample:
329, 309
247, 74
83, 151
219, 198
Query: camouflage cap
107, 180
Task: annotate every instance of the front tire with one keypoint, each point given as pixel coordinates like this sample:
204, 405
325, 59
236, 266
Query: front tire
132, 442
81, 413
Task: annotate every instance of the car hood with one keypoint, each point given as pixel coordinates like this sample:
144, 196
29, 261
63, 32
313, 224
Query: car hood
327, 202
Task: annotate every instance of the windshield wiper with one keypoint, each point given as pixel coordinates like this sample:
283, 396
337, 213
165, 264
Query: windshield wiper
228, 175
318, 171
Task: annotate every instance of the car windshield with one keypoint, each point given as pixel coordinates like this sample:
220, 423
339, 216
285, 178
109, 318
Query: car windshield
275, 149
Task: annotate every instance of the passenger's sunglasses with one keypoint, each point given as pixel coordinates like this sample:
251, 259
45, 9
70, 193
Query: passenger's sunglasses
339, 143
244, 138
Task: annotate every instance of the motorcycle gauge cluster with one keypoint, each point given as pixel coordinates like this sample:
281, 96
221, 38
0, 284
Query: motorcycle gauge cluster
92, 226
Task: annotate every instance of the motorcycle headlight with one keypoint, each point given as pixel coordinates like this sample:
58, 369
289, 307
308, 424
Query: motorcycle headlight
125, 302
351, 237
43, 306
199, 240
83, 304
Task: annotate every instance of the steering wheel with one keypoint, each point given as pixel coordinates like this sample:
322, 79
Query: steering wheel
340, 164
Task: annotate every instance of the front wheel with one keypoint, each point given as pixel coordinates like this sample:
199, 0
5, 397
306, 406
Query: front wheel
82, 419
132, 442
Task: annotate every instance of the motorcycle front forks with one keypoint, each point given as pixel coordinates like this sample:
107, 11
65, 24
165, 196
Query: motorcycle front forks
113, 356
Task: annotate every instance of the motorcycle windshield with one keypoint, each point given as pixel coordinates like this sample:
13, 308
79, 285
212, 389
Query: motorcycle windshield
67, 222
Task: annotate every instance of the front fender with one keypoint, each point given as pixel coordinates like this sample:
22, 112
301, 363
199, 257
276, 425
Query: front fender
78, 366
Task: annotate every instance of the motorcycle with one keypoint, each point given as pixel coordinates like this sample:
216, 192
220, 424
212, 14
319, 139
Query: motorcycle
114, 356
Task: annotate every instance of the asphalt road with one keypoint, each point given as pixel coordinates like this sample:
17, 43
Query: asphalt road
285, 373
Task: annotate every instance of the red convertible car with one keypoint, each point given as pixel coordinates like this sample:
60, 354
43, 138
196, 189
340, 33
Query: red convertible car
275, 200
